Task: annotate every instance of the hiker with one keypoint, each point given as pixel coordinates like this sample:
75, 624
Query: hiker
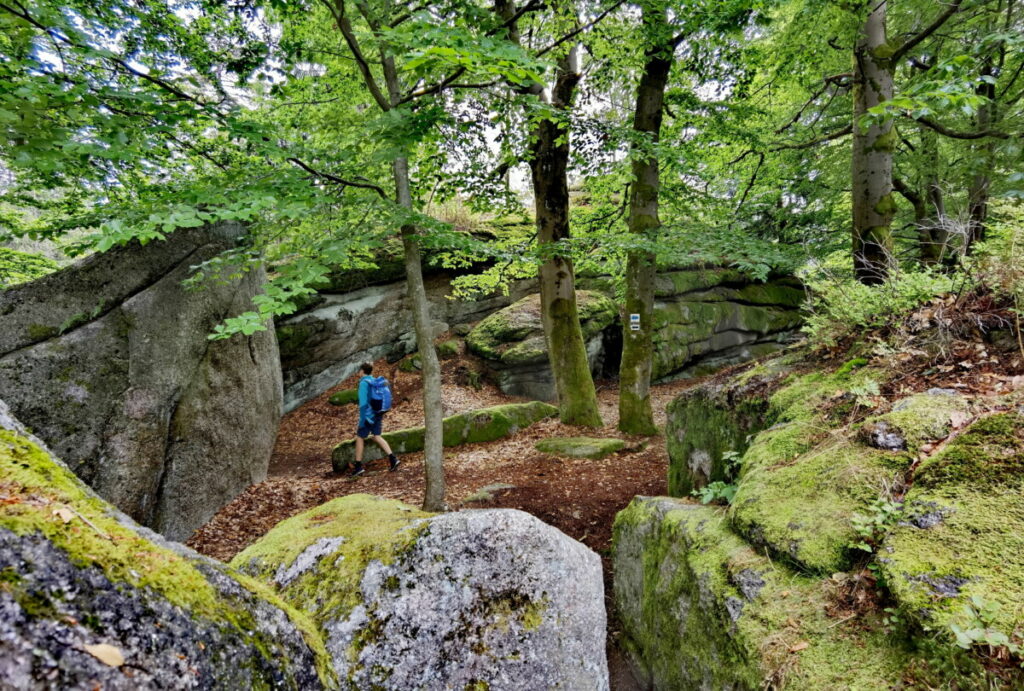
374, 403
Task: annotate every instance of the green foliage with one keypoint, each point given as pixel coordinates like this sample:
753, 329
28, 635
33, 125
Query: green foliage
720, 492
974, 626
19, 267
873, 526
842, 306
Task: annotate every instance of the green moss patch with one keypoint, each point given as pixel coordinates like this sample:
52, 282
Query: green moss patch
961, 536
486, 424
580, 447
344, 397
446, 350
370, 528
701, 609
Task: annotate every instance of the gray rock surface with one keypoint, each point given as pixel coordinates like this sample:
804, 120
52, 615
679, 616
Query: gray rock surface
326, 343
92, 577
108, 362
467, 600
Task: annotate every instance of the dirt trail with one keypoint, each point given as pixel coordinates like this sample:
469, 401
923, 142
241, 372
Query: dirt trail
579, 497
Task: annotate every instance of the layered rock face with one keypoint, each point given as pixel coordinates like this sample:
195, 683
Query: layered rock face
89, 599
327, 342
707, 318
512, 343
704, 319
468, 600
839, 493
109, 363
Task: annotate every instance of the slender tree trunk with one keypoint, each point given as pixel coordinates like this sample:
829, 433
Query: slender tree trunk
635, 414
978, 193
873, 203
433, 447
933, 233
567, 352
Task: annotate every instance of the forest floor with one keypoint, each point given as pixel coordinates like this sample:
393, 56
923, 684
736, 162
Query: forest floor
578, 496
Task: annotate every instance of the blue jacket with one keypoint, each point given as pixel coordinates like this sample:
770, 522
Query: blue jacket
366, 414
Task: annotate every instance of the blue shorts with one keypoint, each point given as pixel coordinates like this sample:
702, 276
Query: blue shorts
367, 429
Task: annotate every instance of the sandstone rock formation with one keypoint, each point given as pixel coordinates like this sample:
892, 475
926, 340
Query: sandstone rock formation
512, 343
109, 363
467, 600
485, 424
327, 342
89, 599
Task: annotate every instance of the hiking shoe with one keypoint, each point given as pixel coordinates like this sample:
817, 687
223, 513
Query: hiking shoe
393, 464
357, 471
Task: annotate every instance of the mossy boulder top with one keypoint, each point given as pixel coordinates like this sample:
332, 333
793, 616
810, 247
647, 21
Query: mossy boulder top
465, 600
88, 598
515, 336
580, 447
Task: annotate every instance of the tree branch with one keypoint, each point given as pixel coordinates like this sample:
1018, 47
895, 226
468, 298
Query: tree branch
814, 142
954, 134
914, 41
580, 29
345, 26
339, 181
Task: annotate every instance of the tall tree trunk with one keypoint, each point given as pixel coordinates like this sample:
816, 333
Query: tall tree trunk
433, 447
933, 233
978, 193
567, 352
635, 414
873, 203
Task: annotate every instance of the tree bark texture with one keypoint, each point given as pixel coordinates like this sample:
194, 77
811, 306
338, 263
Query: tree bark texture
873, 203
635, 413
549, 162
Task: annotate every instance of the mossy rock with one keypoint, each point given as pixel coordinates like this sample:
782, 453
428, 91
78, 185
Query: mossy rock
580, 447
410, 364
486, 424
469, 599
446, 350
344, 397
164, 608
700, 609
802, 480
515, 336
919, 419
960, 536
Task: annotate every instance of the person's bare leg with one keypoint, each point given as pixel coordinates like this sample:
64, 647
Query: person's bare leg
381, 442
359, 448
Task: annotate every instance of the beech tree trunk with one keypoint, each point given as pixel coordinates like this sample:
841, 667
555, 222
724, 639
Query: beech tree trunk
978, 193
635, 413
433, 445
567, 352
873, 203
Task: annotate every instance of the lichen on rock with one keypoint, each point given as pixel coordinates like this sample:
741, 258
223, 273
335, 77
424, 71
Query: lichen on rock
410, 600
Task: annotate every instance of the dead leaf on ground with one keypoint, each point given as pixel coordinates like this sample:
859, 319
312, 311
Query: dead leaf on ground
107, 654
797, 647
65, 514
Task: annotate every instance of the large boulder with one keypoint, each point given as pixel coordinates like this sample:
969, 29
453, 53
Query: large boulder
109, 363
474, 426
89, 599
468, 600
700, 609
351, 323
511, 342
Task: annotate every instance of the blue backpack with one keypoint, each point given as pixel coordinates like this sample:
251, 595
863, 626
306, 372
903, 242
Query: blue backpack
380, 394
